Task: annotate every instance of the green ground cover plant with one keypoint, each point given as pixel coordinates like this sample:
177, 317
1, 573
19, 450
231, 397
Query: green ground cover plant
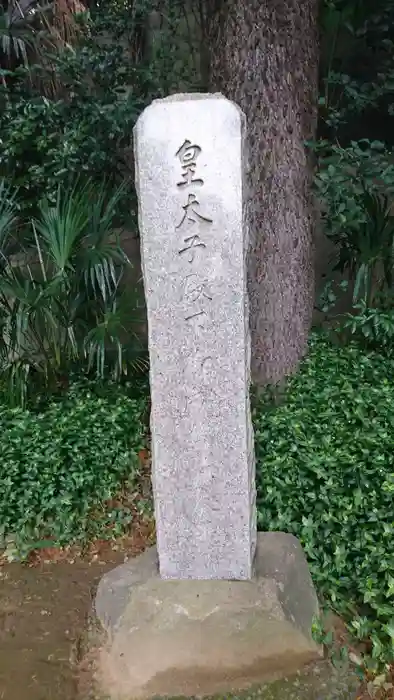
65, 460
325, 467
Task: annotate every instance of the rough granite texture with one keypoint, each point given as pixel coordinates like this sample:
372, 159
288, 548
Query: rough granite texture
318, 681
190, 165
169, 638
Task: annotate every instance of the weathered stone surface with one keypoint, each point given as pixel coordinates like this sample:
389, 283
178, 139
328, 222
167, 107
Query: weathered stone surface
189, 165
203, 637
318, 681
117, 586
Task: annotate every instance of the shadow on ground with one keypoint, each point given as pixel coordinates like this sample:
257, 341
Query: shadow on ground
44, 608
43, 612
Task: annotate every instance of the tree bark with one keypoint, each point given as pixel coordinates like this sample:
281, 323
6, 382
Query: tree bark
264, 56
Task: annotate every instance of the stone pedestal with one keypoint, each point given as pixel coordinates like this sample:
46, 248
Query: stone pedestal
170, 638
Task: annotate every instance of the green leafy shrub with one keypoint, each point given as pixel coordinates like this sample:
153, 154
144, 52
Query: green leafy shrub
326, 474
60, 465
355, 164
47, 142
372, 327
62, 301
352, 182
72, 107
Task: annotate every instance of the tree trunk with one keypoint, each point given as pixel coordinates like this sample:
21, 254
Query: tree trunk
264, 56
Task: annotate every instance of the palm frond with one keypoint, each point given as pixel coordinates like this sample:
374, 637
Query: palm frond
8, 216
62, 226
61, 299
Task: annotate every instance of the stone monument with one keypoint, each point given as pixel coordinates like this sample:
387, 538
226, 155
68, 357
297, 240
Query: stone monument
213, 608
189, 166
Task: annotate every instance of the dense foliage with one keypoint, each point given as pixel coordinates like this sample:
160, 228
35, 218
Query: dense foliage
63, 462
71, 110
326, 474
62, 298
355, 173
73, 83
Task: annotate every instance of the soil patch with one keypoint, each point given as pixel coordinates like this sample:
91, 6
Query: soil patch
44, 606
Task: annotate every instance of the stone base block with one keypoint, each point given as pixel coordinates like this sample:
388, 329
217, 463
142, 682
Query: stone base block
196, 638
